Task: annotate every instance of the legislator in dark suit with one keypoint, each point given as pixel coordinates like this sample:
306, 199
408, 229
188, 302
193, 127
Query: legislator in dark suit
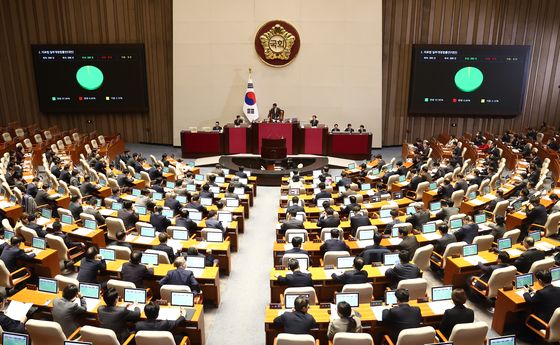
525, 260
454, 316
418, 219
66, 312
296, 322
42, 198
544, 302
334, 244
296, 250
75, 208
128, 217
409, 243
290, 224
328, 222
11, 255
180, 276
295, 207
321, 195
159, 221
172, 204
296, 279
443, 242
446, 191
10, 325
136, 273
168, 250
467, 233
401, 272
89, 269
159, 325
401, 317
187, 223
351, 277
537, 215
88, 188
374, 253
116, 318
357, 221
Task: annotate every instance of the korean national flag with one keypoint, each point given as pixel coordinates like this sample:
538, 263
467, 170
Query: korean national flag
250, 108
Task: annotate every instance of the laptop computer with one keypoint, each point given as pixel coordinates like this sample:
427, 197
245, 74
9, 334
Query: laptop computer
352, 298
441, 293
523, 280
148, 231
90, 224
536, 235
239, 190
390, 297
385, 213
402, 178
182, 299
456, 224
555, 273
116, 206
480, 218
47, 285
366, 186
471, 196
225, 217
345, 262
181, 198
290, 237
433, 186
232, 202
351, 166
220, 179
504, 243
66, 219
507, 340
435, 206
195, 215
199, 177
157, 196
303, 263
46, 213
135, 295
141, 210
390, 259
136, 192
180, 234
410, 210
429, 228
9, 338
8, 235
170, 184
470, 249
206, 201
150, 259
195, 262
39, 243
89, 290
290, 298
365, 235
191, 187
108, 254
167, 213
214, 237
215, 189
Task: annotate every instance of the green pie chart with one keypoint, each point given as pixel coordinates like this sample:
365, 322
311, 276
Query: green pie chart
89, 77
468, 79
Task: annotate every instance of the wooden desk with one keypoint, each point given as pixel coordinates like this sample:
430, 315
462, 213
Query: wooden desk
96, 237
508, 305
208, 279
194, 328
46, 263
370, 323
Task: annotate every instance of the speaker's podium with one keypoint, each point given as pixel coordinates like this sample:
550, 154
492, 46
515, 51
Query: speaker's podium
277, 130
237, 138
273, 149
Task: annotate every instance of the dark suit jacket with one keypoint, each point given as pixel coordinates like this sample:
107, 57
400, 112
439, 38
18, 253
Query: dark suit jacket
65, 176
544, 302
180, 277
374, 253
357, 221
89, 270
124, 181
290, 224
456, 315
76, 208
333, 245
129, 218
524, 261
42, 198
461, 184
296, 250
446, 191
296, 279
329, 222
401, 317
136, 273
186, 223
467, 233
296, 322
116, 318
488, 269
402, 272
88, 188
11, 254
443, 241
321, 195
159, 221
38, 229
32, 190
537, 215
409, 243
296, 208
172, 204
159, 325
168, 250
10, 325
351, 277
418, 219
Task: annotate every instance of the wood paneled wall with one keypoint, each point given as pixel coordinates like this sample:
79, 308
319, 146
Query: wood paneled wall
26, 22
529, 22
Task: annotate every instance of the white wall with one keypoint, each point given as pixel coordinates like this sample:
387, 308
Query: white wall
336, 75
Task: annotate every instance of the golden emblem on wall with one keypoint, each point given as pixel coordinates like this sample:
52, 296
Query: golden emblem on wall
277, 43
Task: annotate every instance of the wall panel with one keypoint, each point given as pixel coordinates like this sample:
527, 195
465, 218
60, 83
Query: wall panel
410, 22
26, 22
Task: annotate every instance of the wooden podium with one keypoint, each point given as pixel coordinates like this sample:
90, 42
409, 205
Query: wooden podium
273, 149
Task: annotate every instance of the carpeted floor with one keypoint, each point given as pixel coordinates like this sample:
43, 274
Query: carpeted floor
246, 292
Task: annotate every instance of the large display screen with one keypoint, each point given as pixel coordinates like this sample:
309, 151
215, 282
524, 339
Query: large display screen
468, 79
90, 78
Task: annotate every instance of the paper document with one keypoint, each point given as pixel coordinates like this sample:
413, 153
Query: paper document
91, 303
490, 196
169, 313
378, 311
17, 310
82, 231
143, 239
384, 269
196, 271
514, 252
474, 259
364, 243
432, 236
334, 312
105, 212
440, 307
395, 241
42, 221
5, 204
544, 246
477, 202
